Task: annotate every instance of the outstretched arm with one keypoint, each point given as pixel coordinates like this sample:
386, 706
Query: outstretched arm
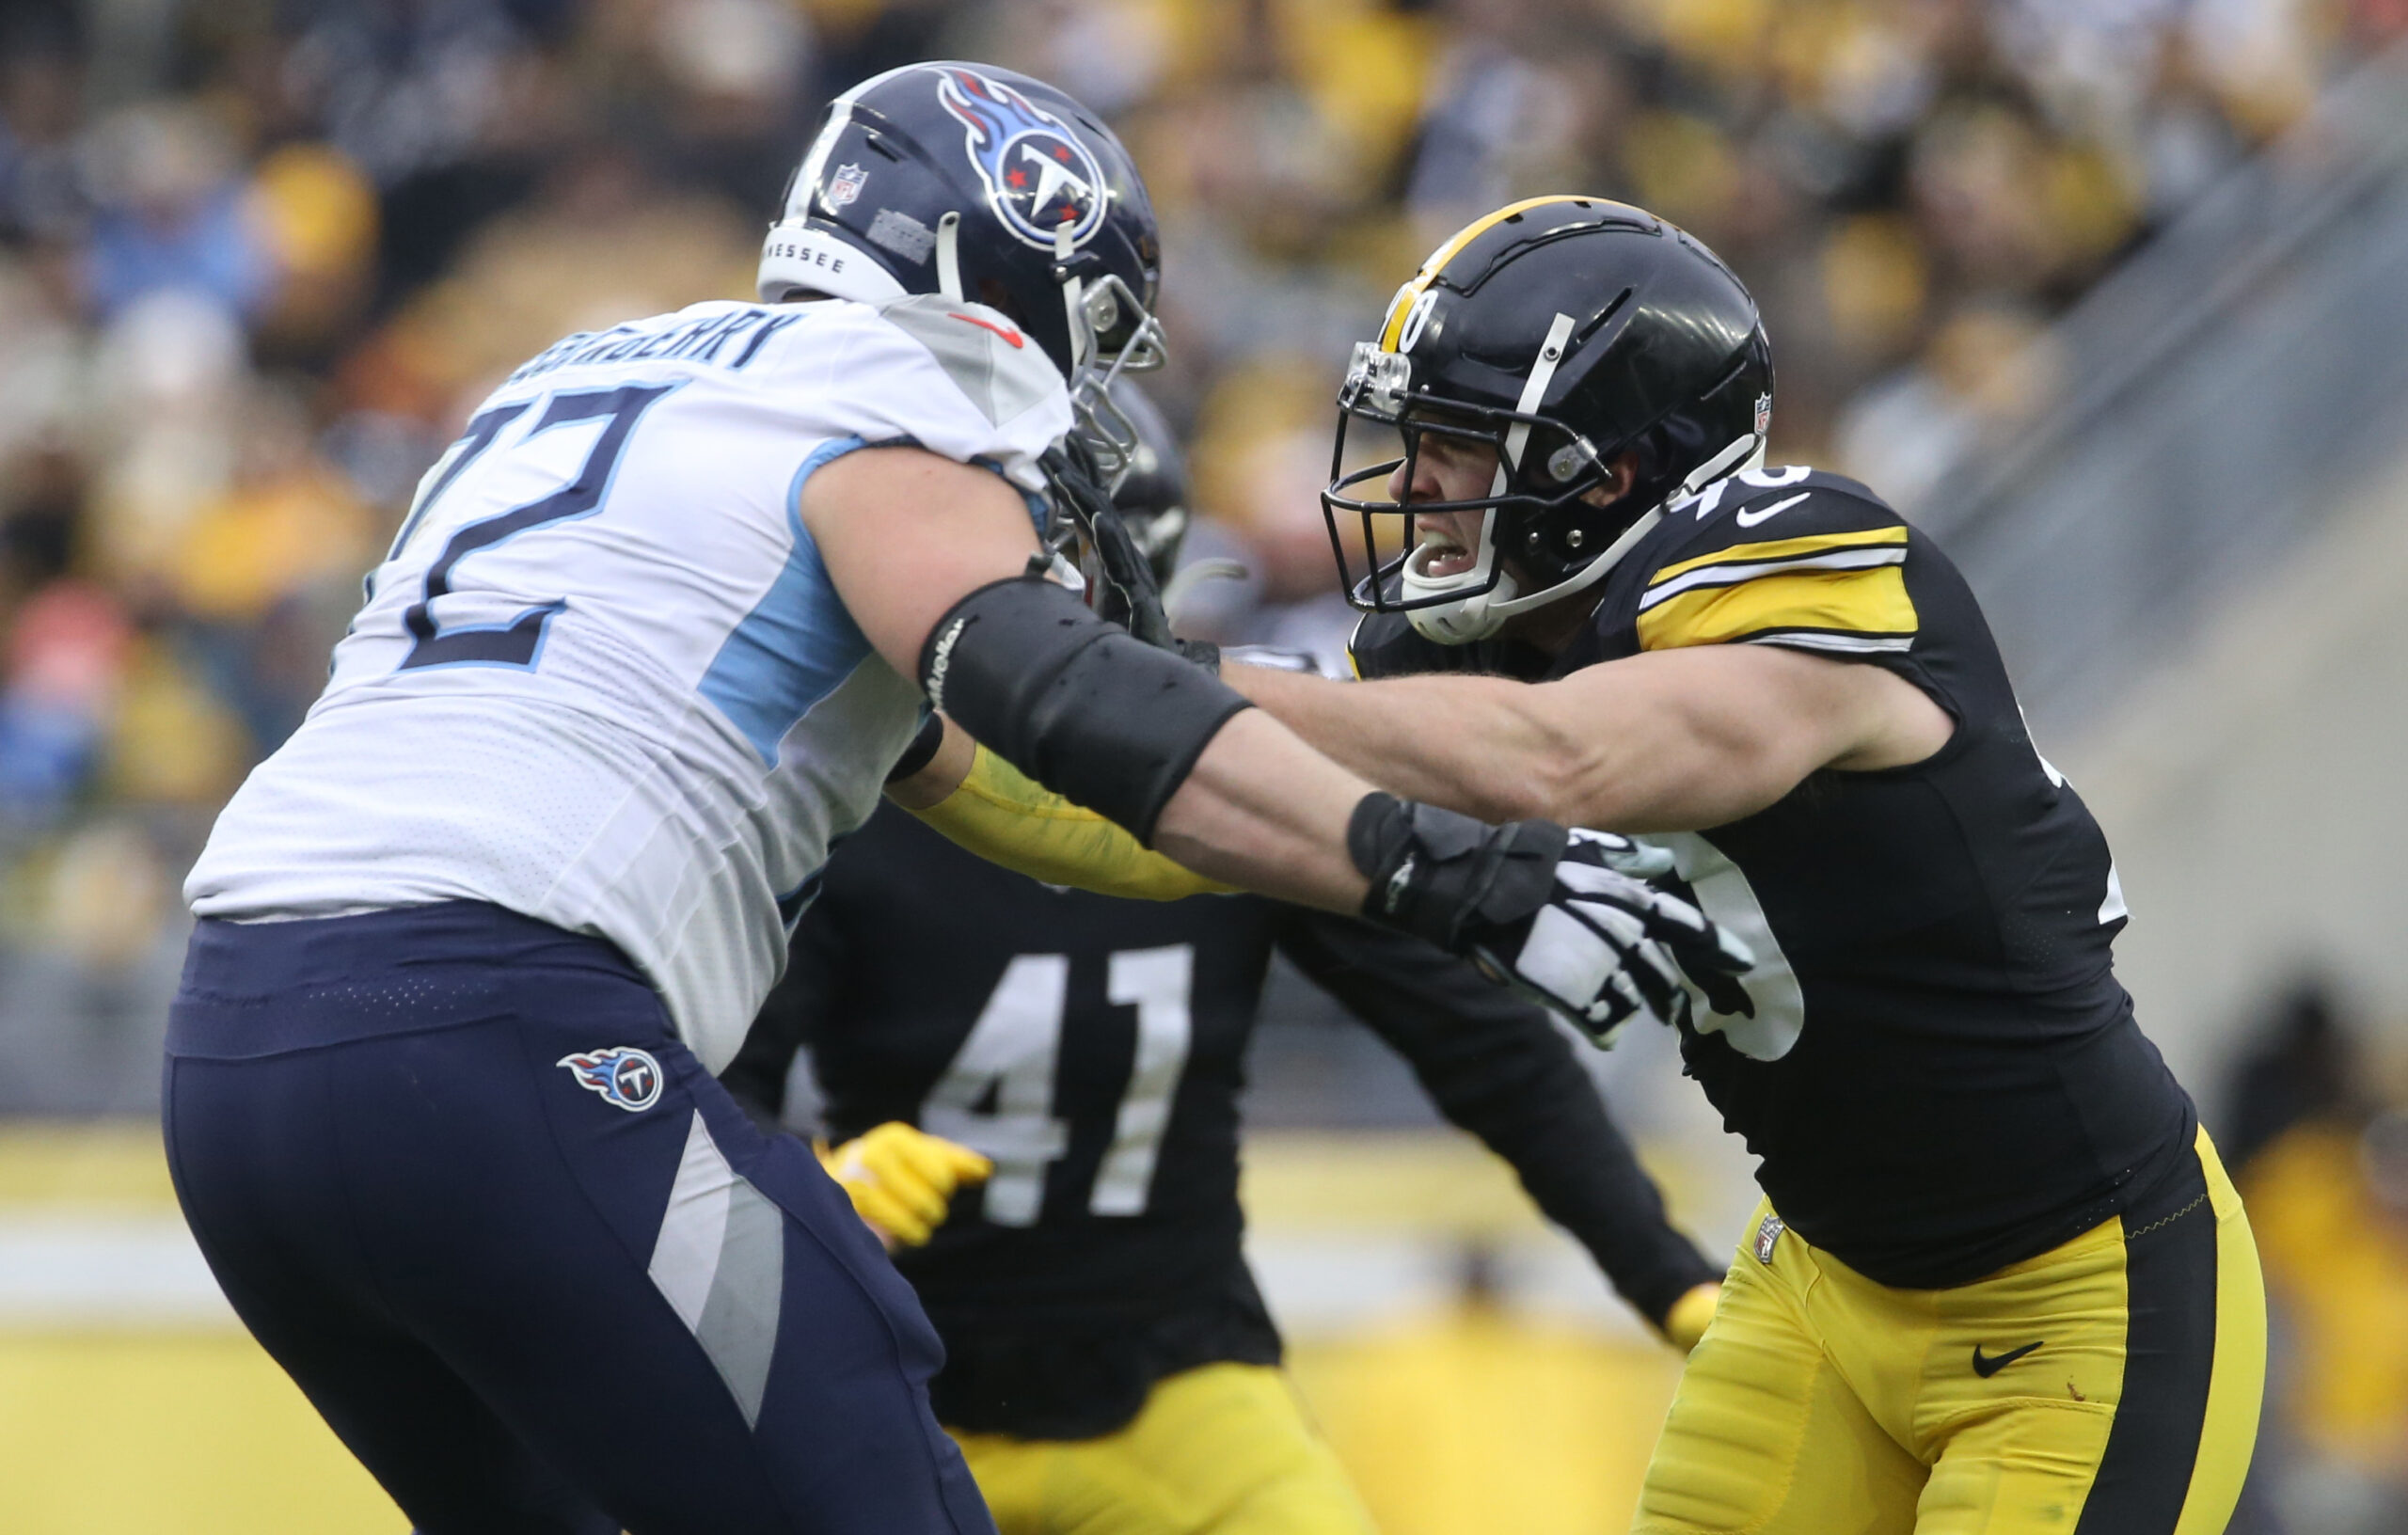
932, 559
1669, 740
907, 535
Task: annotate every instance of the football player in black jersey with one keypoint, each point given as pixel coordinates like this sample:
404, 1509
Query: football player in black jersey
1110, 1368
1999, 1282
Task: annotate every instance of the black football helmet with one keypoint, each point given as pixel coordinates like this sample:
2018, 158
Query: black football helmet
1561, 332
987, 186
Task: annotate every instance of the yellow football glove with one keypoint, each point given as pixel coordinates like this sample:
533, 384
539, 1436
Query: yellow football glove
1686, 1321
902, 1178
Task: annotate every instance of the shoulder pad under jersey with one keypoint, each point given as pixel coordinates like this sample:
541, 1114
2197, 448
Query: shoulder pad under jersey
956, 379
993, 362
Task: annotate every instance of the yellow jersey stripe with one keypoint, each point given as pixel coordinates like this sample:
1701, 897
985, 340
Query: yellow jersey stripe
1863, 602
1398, 306
1786, 548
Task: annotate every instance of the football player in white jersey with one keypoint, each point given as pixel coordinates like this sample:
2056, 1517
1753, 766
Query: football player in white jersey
438, 1098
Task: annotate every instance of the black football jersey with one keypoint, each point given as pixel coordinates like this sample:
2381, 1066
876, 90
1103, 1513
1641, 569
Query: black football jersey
1094, 1048
1939, 1070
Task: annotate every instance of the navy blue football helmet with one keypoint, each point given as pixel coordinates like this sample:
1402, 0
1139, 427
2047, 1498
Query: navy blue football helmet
991, 187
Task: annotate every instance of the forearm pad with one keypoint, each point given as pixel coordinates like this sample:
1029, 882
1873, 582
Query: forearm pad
1446, 877
1005, 818
1072, 702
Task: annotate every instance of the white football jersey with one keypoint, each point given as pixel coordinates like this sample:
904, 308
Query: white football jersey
603, 678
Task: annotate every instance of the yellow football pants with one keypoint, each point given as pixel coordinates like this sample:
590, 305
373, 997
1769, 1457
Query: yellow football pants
1223, 1448
2109, 1386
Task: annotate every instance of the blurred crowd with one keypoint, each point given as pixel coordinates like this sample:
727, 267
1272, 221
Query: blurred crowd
2315, 1128
258, 259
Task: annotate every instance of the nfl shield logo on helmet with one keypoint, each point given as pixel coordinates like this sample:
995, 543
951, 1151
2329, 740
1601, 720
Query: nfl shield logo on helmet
1039, 176
1764, 414
844, 186
625, 1076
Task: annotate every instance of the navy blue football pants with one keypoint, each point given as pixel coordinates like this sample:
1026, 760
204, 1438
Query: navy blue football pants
529, 1260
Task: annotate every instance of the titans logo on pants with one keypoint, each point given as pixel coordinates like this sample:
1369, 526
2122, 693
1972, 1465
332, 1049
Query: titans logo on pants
1039, 176
624, 1075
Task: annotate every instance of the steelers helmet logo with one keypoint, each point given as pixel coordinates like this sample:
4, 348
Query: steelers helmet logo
1037, 175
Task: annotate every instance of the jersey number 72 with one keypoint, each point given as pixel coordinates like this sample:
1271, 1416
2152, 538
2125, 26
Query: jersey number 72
519, 642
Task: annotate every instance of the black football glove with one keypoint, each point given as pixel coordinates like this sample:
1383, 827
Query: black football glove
1126, 591
1568, 918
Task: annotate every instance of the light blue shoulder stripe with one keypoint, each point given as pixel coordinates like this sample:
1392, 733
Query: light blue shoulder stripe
798, 645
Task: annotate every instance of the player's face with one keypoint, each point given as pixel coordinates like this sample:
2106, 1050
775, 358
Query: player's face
1448, 469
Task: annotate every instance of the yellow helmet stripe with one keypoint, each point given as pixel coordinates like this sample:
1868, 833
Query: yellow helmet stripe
1401, 304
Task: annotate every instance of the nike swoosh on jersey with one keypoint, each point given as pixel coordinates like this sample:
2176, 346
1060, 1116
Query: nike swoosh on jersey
1749, 519
1990, 1365
1014, 338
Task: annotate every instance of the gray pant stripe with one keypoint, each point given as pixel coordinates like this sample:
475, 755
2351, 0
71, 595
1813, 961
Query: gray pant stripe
721, 1263
739, 1327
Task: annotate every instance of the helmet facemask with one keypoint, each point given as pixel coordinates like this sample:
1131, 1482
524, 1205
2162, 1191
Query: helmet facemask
1545, 472
1112, 334
1539, 510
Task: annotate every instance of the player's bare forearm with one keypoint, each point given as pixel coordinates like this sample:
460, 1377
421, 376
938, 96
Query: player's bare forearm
1471, 744
1263, 810
1666, 741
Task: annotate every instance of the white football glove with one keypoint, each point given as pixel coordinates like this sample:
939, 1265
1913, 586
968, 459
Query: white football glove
1609, 946
1568, 917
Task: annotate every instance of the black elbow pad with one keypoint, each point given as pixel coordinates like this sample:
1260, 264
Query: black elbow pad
1099, 717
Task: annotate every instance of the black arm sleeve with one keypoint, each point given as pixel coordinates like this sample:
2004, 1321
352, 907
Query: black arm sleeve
1495, 1066
758, 1077
1077, 705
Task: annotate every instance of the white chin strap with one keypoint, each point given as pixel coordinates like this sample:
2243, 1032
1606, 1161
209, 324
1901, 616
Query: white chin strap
1481, 614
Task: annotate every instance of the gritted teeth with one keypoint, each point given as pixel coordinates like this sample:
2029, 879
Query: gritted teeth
1436, 535
1436, 559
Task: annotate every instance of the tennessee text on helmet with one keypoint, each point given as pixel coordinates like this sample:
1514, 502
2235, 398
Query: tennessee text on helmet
985, 186
1557, 334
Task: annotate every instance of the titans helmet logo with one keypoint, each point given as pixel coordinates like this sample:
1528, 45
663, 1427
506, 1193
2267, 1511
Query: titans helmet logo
626, 1077
1038, 174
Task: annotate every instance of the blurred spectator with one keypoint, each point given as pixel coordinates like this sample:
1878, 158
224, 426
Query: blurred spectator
2323, 1165
170, 215
2303, 1067
42, 194
1986, 370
